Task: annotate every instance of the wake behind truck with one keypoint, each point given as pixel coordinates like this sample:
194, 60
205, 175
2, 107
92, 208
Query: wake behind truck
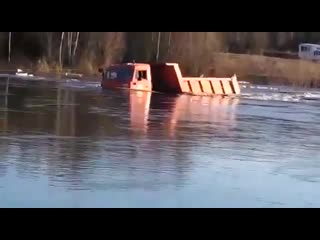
165, 78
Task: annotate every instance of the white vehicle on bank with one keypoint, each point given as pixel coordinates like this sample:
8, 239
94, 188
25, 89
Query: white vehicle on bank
309, 51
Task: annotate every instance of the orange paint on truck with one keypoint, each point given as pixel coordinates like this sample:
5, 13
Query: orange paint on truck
166, 78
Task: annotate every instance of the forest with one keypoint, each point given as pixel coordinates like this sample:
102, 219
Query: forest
89, 50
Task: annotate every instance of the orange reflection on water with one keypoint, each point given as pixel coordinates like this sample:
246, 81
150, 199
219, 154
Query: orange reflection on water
197, 109
139, 110
205, 109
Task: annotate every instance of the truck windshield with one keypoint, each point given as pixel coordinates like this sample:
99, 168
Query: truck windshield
121, 74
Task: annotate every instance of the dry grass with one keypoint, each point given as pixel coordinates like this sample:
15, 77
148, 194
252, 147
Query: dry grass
43, 66
84, 67
273, 70
254, 68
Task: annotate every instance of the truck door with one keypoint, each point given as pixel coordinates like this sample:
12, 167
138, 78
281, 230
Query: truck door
141, 81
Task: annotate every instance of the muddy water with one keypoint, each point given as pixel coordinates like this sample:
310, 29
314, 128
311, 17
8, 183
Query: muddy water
70, 144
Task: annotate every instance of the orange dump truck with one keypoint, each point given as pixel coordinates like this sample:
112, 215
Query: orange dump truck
165, 78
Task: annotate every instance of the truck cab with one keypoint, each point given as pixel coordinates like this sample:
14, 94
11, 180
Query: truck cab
130, 75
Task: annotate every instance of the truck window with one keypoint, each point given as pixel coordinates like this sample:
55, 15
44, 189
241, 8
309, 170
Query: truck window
121, 74
316, 53
142, 74
305, 48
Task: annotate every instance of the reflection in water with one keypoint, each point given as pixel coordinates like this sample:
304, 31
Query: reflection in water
66, 122
207, 111
83, 138
142, 149
190, 111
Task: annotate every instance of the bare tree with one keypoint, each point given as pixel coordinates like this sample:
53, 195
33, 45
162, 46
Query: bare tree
60, 51
49, 38
70, 36
258, 41
9, 48
75, 46
158, 46
169, 43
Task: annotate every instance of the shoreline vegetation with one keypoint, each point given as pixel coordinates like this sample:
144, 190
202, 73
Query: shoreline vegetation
252, 68
257, 57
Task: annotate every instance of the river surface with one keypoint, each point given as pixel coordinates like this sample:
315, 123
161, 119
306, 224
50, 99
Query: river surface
68, 143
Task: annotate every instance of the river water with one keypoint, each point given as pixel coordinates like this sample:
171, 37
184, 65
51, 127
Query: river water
70, 144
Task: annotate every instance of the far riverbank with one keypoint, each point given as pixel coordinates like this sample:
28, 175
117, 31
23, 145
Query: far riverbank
268, 70
251, 68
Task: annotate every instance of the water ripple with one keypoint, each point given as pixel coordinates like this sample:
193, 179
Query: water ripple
123, 148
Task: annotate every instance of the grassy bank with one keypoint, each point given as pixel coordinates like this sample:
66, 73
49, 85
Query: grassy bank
268, 70
42, 68
252, 68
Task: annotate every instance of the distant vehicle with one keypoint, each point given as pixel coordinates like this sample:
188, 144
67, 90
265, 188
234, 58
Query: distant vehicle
309, 51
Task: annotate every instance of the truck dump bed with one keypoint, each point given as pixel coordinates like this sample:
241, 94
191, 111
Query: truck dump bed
167, 78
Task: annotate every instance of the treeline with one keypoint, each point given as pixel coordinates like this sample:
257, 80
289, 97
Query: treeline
191, 49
